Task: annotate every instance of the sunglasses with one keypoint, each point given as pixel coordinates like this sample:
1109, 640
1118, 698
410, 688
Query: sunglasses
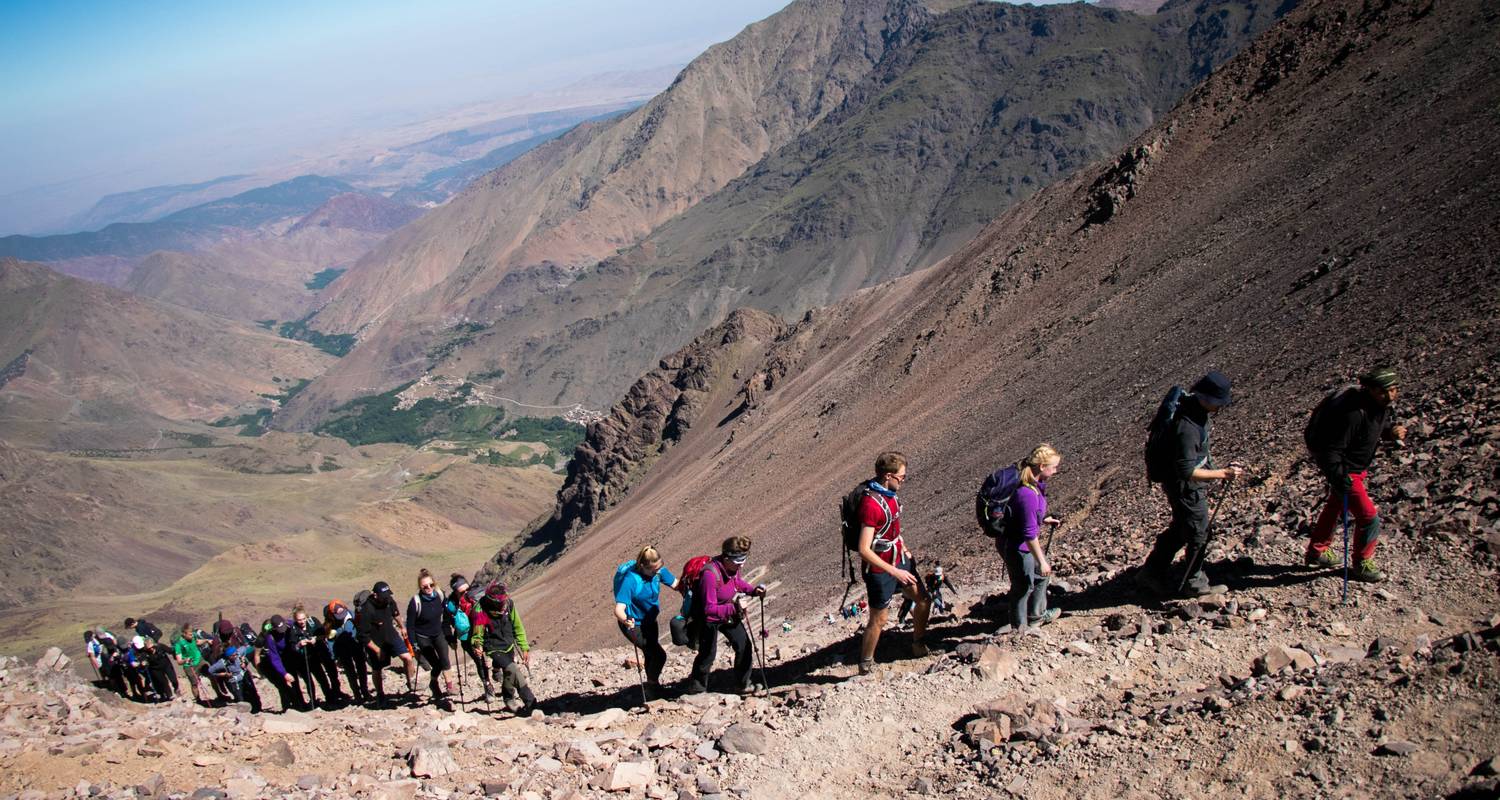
739, 558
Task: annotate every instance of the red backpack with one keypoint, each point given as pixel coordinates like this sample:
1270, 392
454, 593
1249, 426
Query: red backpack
691, 572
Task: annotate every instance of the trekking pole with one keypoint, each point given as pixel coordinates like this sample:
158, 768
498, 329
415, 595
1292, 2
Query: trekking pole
1344, 595
763, 635
458, 660
640, 673
1202, 555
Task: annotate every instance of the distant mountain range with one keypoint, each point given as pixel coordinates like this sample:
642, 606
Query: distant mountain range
837, 144
188, 229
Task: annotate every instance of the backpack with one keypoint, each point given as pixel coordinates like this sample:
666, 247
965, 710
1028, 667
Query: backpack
1312, 434
146, 629
620, 573
461, 623
992, 501
1158, 436
691, 572
361, 597
849, 515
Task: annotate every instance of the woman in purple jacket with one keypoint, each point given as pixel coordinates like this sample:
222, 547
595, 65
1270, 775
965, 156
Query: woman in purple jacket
1021, 546
717, 608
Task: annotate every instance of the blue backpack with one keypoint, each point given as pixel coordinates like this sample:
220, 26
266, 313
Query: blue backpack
992, 501
461, 623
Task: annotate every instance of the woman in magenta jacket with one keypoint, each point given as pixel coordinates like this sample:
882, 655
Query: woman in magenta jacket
717, 609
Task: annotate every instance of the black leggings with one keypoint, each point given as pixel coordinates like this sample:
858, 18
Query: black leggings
645, 635
708, 650
435, 652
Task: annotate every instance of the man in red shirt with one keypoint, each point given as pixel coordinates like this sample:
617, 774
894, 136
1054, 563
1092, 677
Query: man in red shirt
888, 564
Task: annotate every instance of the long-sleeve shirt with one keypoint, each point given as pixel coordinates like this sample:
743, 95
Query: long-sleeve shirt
1190, 435
1347, 432
424, 616
1024, 522
502, 633
716, 590
378, 623
278, 648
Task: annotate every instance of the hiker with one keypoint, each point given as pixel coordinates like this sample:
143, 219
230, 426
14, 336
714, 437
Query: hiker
1025, 556
718, 607
95, 650
317, 659
287, 666
886, 562
190, 659
111, 662
425, 614
141, 627
1342, 435
155, 667
499, 634
637, 605
342, 638
379, 624
461, 617
1178, 458
935, 581
231, 661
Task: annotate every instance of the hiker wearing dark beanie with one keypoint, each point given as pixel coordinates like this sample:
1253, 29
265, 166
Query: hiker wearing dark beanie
1178, 457
1343, 434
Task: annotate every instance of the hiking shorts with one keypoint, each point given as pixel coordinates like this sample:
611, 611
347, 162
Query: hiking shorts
391, 646
880, 586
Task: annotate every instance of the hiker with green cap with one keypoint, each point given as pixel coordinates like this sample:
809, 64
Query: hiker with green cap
1342, 435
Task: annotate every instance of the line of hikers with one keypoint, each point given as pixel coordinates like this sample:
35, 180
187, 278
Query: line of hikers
302, 658
1342, 436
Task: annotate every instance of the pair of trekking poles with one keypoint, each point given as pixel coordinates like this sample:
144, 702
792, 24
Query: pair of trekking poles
1198, 558
757, 652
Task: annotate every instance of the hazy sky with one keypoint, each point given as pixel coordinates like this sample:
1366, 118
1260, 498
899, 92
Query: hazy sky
99, 97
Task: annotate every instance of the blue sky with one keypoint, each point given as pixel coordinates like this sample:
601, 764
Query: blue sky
98, 97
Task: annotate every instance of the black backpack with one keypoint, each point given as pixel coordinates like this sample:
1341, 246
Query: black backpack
1158, 436
1312, 435
849, 515
148, 630
992, 501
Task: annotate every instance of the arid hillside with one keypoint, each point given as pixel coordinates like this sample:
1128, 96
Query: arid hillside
80, 353
961, 110
1325, 201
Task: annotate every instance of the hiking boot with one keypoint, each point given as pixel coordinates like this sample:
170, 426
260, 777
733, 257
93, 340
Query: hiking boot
694, 687
1313, 559
1367, 572
489, 691
866, 666
514, 705
1204, 591
918, 650
1046, 618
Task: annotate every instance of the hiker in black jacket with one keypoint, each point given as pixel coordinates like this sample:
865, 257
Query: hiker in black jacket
1188, 466
1343, 434
426, 616
379, 627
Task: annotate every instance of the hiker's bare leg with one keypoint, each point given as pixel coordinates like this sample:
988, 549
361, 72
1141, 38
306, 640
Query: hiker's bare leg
872, 632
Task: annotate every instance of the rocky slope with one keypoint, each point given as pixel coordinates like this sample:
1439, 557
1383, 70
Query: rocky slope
655, 414
963, 111
1249, 231
1274, 690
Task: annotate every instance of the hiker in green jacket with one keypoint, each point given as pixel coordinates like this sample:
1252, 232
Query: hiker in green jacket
498, 631
185, 649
